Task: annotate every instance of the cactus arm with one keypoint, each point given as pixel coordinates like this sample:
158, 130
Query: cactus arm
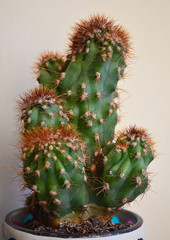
48, 69
53, 168
125, 170
41, 107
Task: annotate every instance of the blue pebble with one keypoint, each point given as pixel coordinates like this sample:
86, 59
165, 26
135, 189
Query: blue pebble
29, 217
11, 238
115, 220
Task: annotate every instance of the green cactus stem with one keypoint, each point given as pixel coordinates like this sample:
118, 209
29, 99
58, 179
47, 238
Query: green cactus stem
53, 167
96, 61
41, 107
125, 165
48, 69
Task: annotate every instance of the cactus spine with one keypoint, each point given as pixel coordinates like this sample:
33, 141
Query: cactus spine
69, 158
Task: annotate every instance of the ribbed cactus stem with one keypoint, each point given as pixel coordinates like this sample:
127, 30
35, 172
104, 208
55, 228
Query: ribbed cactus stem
125, 168
97, 60
48, 69
54, 169
41, 107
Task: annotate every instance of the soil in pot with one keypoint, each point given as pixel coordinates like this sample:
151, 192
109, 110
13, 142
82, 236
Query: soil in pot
91, 227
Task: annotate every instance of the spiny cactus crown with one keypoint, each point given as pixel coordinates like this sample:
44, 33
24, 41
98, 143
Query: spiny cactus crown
70, 160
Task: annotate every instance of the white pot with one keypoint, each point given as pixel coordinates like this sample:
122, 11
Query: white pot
11, 231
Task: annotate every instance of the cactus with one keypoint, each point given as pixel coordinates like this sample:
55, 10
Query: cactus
72, 159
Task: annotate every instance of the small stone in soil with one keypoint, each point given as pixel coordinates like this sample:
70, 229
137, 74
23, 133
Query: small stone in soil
130, 222
115, 220
28, 217
15, 223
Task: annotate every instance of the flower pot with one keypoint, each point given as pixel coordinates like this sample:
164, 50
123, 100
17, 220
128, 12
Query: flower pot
10, 231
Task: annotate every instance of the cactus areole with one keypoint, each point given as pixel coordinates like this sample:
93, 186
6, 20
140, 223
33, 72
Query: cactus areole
73, 162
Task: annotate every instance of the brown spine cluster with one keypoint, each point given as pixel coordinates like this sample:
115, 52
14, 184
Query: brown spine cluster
131, 133
45, 56
36, 96
101, 28
48, 135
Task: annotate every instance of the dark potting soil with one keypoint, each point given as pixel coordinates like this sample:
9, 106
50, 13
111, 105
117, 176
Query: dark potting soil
91, 227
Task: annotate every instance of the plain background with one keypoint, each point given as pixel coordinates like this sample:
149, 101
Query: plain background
28, 27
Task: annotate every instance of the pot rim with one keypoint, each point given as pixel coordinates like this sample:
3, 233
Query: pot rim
9, 217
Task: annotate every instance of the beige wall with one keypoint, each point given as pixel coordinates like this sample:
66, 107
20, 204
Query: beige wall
28, 27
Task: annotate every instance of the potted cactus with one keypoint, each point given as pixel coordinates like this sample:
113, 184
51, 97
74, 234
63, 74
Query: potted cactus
74, 164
